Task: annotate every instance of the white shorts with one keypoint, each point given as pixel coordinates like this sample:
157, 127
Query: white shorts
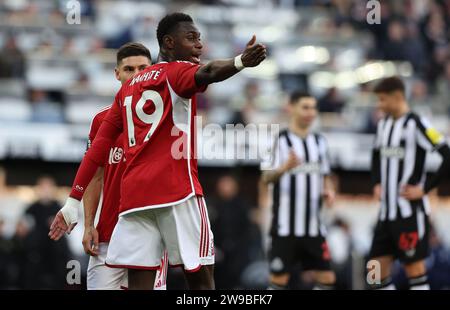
102, 277
140, 237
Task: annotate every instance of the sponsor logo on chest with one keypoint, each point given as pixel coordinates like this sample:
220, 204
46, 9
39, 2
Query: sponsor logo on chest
115, 155
393, 152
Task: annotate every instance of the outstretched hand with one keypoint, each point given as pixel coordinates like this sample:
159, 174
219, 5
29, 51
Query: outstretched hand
254, 53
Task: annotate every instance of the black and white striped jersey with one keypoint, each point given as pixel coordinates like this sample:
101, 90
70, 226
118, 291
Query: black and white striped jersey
399, 156
297, 195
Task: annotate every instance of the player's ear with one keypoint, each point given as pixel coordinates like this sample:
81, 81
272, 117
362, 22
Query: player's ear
169, 42
116, 73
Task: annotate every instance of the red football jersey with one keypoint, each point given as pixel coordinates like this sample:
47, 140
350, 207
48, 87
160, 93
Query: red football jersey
112, 175
155, 111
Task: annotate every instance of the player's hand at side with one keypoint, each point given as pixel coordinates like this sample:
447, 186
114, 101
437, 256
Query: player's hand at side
412, 192
90, 241
330, 196
254, 53
65, 220
292, 162
58, 227
377, 192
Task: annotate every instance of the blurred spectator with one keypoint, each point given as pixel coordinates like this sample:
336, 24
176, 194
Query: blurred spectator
443, 88
249, 107
234, 234
12, 60
340, 244
45, 110
396, 47
375, 115
421, 101
331, 102
11, 207
6, 262
42, 261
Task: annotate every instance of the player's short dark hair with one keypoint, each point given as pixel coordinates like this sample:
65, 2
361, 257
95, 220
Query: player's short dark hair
169, 23
390, 85
132, 49
297, 95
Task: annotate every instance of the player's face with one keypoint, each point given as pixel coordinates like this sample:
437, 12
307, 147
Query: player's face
129, 66
387, 102
187, 43
305, 111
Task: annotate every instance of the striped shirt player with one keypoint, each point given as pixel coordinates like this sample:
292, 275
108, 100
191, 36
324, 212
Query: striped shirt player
297, 196
399, 157
402, 143
299, 180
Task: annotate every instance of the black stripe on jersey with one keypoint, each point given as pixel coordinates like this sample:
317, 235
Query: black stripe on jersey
276, 193
317, 137
292, 194
307, 189
419, 165
276, 208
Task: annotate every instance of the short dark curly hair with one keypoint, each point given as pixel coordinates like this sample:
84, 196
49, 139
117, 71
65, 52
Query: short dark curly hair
169, 23
132, 49
297, 95
390, 85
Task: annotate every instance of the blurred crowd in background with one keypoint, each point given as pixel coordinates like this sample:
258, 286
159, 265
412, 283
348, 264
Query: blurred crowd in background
52, 72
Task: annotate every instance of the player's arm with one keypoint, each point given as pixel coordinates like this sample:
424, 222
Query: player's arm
91, 199
67, 217
431, 140
272, 176
97, 154
375, 173
443, 171
219, 70
375, 166
329, 193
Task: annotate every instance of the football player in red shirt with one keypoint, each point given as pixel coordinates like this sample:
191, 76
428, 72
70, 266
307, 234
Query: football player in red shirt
162, 204
132, 58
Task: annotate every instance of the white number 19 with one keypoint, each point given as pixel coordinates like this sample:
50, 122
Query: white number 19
151, 119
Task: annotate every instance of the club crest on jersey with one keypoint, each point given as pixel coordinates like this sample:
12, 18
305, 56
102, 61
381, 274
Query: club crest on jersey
115, 155
276, 264
393, 152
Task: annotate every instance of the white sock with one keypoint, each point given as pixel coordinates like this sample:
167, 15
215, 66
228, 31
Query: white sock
419, 283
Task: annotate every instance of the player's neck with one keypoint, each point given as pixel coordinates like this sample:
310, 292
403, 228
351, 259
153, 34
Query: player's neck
403, 110
298, 130
165, 56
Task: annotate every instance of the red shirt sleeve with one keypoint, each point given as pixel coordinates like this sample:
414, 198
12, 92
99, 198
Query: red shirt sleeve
96, 155
114, 116
181, 76
96, 122
95, 125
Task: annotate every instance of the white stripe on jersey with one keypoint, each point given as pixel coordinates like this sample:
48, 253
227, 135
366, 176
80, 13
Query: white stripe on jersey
300, 204
315, 188
283, 213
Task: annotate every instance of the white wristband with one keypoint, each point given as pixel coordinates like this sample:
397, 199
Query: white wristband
70, 211
238, 62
